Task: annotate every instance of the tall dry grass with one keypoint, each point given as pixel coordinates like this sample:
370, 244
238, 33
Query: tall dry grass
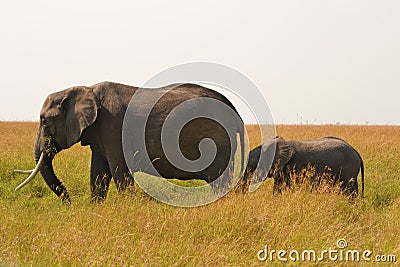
131, 230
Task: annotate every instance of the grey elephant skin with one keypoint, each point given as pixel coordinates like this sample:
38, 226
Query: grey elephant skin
94, 116
327, 153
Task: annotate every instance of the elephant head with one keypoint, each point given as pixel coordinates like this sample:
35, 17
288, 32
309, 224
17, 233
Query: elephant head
63, 118
283, 153
280, 150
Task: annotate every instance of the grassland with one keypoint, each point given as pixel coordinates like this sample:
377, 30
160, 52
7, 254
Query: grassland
135, 230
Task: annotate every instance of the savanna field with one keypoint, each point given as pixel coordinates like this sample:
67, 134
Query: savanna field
36, 229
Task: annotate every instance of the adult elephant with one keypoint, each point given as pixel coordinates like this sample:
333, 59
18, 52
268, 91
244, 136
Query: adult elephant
327, 154
94, 116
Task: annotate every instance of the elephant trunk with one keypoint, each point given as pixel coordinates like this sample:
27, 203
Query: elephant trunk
52, 181
46, 145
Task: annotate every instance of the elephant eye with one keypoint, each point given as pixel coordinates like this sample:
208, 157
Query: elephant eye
43, 120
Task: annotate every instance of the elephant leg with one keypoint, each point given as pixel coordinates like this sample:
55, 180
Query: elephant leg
277, 187
220, 185
100, 177
121, 175
223, 182
354, 187
287, 180
278, 183
350, 187
246, 181
229, 176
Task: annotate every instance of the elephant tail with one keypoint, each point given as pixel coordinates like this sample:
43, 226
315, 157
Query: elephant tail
362, 176
362, 172
242, 147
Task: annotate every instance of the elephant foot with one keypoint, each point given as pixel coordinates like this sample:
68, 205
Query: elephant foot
97, 199
65, 198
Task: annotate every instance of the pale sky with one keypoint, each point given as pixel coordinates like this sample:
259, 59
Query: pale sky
315, 61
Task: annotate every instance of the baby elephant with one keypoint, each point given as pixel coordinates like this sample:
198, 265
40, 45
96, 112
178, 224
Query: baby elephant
326, 153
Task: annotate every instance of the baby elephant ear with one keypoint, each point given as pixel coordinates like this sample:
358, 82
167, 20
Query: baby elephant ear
284, 152
80, 107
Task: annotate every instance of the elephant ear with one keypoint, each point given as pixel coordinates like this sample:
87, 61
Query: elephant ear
283, 153
80, 107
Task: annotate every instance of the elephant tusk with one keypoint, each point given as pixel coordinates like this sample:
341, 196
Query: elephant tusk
33, 173
24, 171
